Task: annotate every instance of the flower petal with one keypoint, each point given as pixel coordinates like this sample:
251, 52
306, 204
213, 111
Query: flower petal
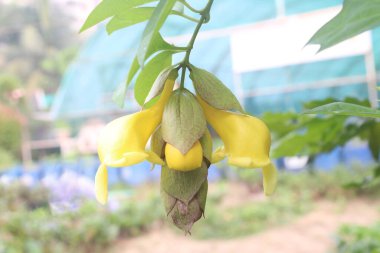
154, 158
101, 184
184, 162
124, 135
128, 159
218, 155
246, 138
269, 179
122, 142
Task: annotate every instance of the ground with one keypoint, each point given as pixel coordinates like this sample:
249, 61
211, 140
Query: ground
311, 233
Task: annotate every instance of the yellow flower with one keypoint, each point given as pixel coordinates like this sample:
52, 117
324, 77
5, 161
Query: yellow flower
122, 142
246, 142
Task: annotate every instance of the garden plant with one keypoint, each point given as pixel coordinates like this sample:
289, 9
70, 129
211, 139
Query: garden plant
177, 121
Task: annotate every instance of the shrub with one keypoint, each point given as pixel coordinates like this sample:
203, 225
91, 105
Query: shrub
358, 239
27, 224
10, 139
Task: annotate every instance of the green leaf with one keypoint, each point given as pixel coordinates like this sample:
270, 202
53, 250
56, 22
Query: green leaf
133, 16
316, 136
280, 124
129, 17
213, 91
155, 23
315, 103
109, 8
295, 134
347, 109
356, 16
149, 74
183, 121
160, 45
158, 85
133, 70
183, 185
119, 95
374, 140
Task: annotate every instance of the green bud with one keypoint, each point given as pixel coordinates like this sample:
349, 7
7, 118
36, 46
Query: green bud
184, 195
213, 91
185, 215
183, 121
158, 85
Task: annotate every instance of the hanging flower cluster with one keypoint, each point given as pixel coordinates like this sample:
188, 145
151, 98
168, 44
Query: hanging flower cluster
176, 122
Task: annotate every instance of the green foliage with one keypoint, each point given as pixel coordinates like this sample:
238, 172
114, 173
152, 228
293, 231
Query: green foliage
112, 8
358, 239
129, 17
233, 209
160, 45
245, 215
357, 16
10, 138
33, 51
309, 135
155, 23
57, 62
27, 224
7, 159
149, 74
127, 13
237, 209
8, 83
346, 109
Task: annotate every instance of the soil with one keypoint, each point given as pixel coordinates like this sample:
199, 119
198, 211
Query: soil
311, 233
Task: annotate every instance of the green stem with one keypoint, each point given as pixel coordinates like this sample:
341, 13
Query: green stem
190, 7
185, 16
205, 17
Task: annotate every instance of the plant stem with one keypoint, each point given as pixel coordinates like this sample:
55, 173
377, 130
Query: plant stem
185, 16
190, 7
205, 17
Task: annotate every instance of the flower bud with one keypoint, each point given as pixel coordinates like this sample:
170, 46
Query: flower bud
185, 215
184, 195
183, 121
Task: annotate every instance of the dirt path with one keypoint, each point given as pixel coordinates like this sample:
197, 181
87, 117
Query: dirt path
312, 233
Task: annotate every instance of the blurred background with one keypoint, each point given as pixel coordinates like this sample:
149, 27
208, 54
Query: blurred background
56, 90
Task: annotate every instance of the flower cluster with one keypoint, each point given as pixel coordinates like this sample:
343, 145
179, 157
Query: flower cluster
177, 123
